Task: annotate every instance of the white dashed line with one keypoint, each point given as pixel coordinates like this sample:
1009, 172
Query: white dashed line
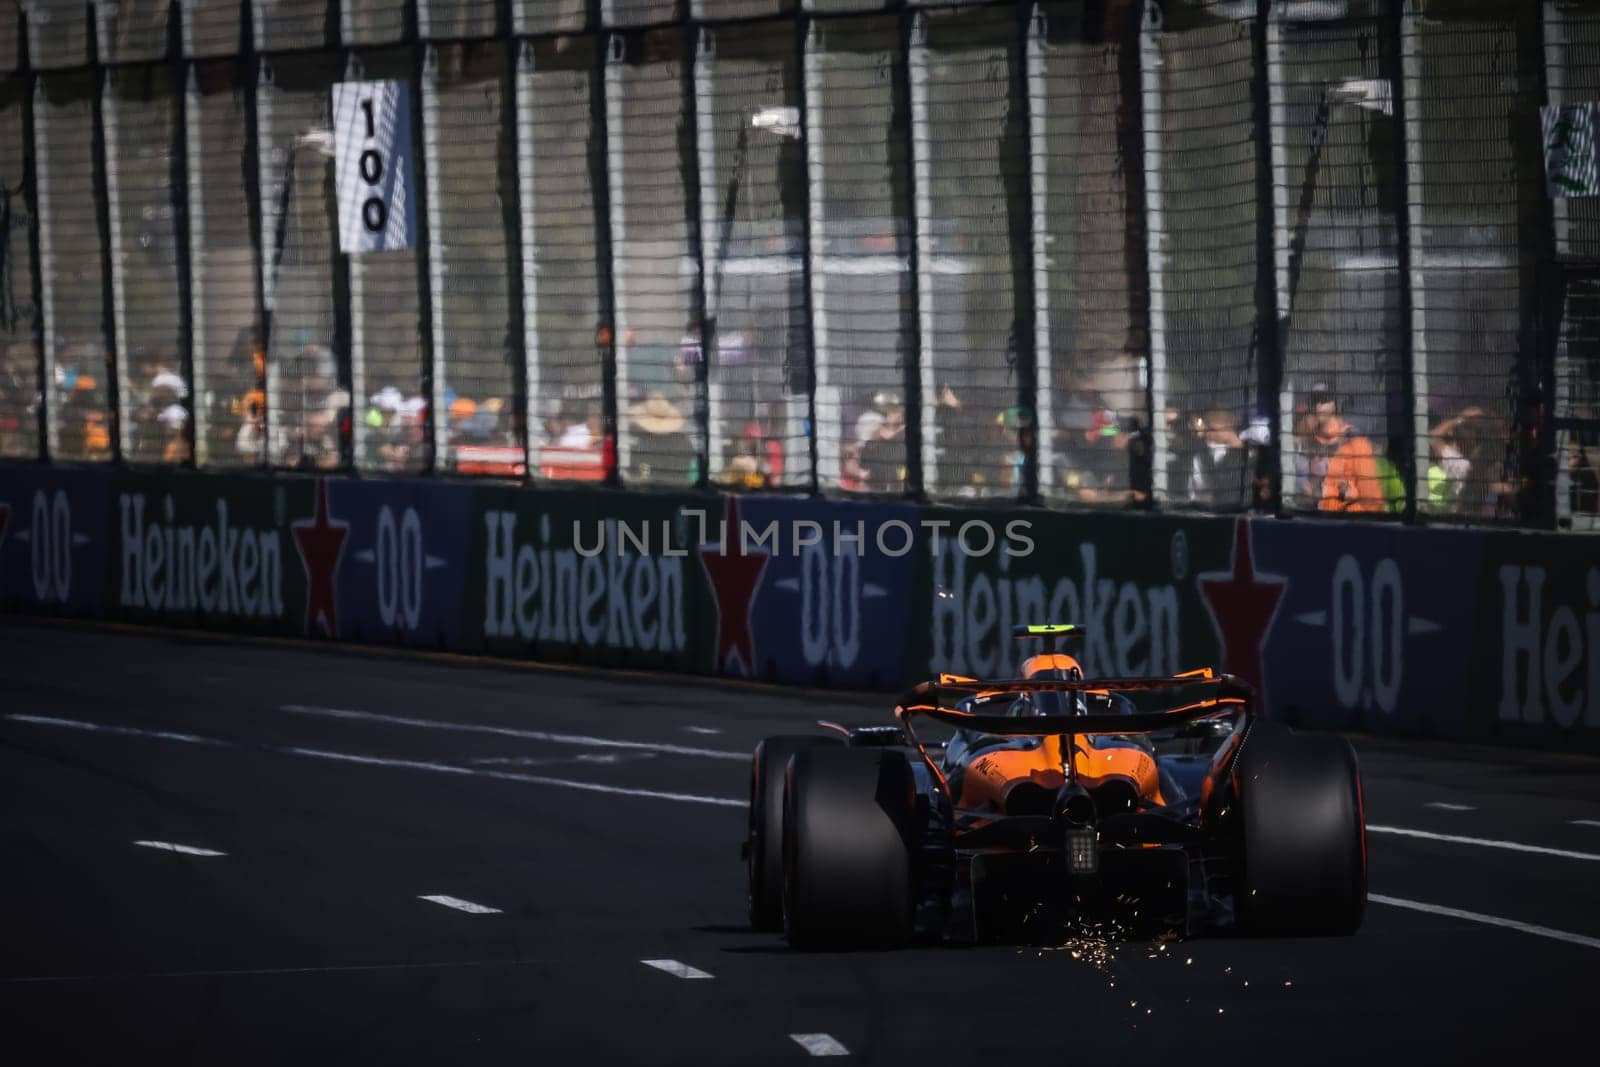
1489, 920
461, 905
676, 968
1456, 839
509, 731
1586, 822
819, 1044
187, 850
708, 730
1445, 805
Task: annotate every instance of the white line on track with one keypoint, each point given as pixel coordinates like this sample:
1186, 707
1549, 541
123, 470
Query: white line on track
1445, 805
402, 764
1485, 842
819, 1044
511, 731
187, 850
460, 905
1489, 920
708, 730
509, 776
677, 968
1586, 822
122, 731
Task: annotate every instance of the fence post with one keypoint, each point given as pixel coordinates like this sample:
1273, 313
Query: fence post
249, 68
599, 153
1146, 194
1024, 194
102, 211
518, 239
701, 316
908, 198
1391, 49
430, 281
1540, 279
1269, 320
30, 184
180, 218
802, 31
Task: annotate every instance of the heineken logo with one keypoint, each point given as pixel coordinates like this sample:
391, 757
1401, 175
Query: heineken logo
217, 567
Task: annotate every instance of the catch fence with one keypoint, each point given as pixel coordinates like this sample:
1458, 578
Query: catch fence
1225, 255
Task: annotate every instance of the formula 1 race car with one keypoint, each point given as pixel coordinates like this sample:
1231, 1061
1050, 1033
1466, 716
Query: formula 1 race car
1057, 801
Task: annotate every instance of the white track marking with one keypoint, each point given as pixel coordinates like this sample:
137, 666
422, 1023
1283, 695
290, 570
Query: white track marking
1485, 842
609, 759
677, 968
1445, 805
1489, 920
819, 1044
509, 776
461, 905
1586, 822
511, 731
701, 730
122, 731
415, 765
187, 850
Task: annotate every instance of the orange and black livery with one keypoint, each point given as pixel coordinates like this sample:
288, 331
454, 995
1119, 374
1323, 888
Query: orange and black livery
1050, 799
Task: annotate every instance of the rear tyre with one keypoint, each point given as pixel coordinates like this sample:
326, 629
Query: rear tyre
847, 879
764, 840
1303, 833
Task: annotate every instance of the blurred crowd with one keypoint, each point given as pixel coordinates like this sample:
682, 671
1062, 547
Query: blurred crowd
1215, 458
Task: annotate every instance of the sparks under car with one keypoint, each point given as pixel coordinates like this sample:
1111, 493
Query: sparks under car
1057, 800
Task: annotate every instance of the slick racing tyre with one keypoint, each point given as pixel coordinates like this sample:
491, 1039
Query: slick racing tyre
847, 879
764, 839
1303, 833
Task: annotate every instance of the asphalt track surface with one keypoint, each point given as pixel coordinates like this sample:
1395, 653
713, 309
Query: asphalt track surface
600, 818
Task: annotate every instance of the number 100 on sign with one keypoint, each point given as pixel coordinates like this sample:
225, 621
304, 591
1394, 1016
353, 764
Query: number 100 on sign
373, 165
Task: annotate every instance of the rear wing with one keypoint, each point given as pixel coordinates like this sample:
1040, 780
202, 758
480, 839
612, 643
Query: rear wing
1232, 694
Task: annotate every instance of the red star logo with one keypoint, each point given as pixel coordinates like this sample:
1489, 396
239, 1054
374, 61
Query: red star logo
734, 576
321, 544
1242, 604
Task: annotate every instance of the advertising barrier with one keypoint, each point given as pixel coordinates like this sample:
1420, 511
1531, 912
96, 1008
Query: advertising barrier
1450, 633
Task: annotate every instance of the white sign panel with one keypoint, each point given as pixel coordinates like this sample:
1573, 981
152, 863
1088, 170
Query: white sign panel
373, 166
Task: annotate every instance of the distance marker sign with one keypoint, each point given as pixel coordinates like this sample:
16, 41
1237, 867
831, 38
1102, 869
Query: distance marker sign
373, 166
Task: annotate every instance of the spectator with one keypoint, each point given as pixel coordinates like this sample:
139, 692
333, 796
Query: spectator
1219, 473
251, 440
1585, 491
663, 451
1448, 467
175, 443
1342, 470
883, 455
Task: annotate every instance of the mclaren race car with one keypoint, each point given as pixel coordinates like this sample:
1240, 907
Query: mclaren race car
1147, 806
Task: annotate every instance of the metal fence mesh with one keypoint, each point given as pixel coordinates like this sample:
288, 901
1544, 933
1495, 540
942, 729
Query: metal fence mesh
307, 380
1089, 252
559, 165
140, 115
1461, 80
660, 384
861, 235
19, 355
1338, 195
229, 361
77, 351
1201, 155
